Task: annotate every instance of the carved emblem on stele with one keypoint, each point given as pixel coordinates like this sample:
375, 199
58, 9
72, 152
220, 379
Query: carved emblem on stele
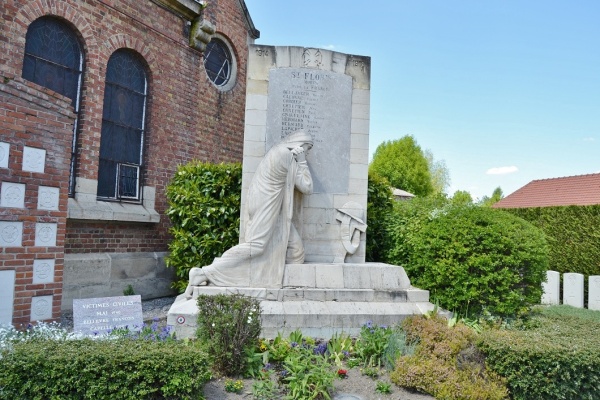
312, 58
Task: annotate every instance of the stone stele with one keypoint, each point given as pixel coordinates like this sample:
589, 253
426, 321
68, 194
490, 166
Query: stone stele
330, 289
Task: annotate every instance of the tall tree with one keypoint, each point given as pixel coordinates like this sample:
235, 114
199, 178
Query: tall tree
497, 195
404, 165
462, 197
440, 176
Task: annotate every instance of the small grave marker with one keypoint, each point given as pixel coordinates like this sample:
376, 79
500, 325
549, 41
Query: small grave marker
100, 315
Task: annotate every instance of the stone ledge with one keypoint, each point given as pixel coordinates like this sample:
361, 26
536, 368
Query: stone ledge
111, 211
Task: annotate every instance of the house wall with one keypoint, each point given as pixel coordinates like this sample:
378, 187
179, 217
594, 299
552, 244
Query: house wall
188, 118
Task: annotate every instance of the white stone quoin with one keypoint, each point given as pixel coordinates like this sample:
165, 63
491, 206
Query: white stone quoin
573, 289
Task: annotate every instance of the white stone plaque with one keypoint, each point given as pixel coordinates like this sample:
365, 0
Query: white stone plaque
4, 154
320, 103
45, 234
13, 195
48, 198
99, 315
34, 160
11, 234
7, 291
573, 289
594, 293
551, 288
43, 271
41, 308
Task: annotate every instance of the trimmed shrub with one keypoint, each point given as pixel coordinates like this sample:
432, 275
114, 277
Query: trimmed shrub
471, 258
103, 369
445, 362
379, 206
230, 325
558, 357
204, 208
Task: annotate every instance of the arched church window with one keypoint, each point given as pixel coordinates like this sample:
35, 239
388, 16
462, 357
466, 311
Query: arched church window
54, 59
123, 120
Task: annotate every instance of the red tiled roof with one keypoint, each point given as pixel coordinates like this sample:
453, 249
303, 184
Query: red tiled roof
580, 190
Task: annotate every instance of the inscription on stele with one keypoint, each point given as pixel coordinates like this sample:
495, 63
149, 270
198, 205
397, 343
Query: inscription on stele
320, 103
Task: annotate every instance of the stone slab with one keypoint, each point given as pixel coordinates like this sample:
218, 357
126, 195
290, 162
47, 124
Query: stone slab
4, 154
7, 291
43, 271
11, 234
34, 160
41, 308
48, 197
12, 195
100, 315
594, 292
45, 234
320, 103
314, 318
551, 288
573, 289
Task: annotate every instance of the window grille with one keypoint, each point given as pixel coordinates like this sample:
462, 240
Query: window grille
217, 62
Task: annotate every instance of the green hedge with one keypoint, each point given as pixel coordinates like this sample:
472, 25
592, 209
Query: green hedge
572, 233
204, 208
558, 357
470, 258
380, 204
103, 369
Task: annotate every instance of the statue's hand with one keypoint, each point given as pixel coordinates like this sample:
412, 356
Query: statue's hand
299, 154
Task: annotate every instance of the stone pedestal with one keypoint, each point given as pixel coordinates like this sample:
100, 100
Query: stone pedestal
320, 300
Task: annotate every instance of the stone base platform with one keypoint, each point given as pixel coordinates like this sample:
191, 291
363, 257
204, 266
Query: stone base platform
320, 300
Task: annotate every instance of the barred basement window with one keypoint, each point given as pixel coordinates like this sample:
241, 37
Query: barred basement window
123, 121
54, 59
218, 62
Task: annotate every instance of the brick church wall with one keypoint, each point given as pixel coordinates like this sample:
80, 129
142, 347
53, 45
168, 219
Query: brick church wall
188, 117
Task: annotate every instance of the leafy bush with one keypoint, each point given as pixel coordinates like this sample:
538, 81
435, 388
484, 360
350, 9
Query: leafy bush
204, 208
557, 357
103, 369
445, 363
572, 234
229, 324
379, 206
470, 258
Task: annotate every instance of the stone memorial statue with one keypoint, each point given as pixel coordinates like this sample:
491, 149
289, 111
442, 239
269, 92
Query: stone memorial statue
271, 239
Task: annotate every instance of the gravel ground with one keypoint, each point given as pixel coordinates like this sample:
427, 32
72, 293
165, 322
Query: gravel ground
355, 387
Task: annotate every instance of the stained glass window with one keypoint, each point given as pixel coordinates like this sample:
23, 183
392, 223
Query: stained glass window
123, 119
217, 62
54, 59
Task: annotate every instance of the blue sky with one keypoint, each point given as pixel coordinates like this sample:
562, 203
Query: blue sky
504, 92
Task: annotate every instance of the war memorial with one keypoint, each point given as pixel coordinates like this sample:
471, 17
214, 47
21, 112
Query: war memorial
304, 199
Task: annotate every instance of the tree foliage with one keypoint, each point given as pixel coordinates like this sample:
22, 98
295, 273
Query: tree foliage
440, 175
404, 165
497, 195
379, 207
461, 197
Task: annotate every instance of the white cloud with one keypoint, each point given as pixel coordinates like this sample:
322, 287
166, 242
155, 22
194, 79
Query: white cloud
502, 170
588, 139
329, 47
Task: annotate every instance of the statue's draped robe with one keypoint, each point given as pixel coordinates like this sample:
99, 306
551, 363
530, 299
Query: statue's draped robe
271, 239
